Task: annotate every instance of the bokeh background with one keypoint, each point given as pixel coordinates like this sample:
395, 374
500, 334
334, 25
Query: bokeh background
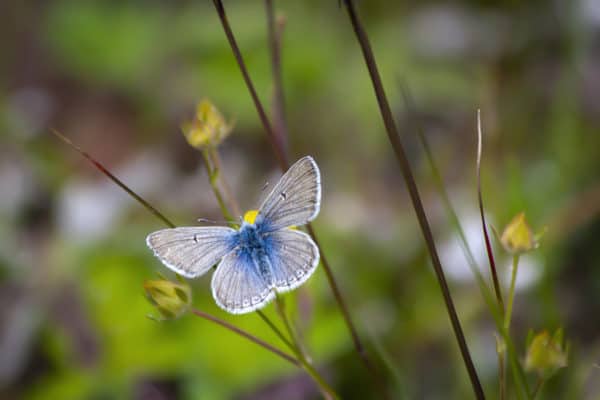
119, 78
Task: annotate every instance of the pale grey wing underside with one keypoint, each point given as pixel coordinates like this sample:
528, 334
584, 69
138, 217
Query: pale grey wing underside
238, 287
191, 251
293, 256
295, 199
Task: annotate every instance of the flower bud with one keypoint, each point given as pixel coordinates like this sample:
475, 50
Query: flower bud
546, 354
208, 128
171, 299
517, 237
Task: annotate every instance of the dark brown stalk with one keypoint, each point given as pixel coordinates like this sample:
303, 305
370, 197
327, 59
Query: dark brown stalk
114, 179
488, 245
248, 336
275, 141
394, 138
280, 153
275, 37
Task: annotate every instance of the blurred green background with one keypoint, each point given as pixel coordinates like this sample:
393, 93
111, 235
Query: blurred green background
120, 77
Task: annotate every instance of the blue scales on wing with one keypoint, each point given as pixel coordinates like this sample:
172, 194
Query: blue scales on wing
238, 286
192, 251
293, 258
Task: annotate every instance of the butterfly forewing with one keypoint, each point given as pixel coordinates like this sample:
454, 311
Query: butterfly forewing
237, 285
295, 199
191, 251
293, 256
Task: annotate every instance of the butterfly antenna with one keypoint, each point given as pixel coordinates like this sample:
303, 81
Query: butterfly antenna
211, 221
265, 186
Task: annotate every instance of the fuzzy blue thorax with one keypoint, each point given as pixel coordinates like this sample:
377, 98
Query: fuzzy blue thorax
252, 242
249, 237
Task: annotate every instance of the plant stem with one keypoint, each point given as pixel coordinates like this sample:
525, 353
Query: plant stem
439, 184
327, 391
275, 329
498, 314
275, 141
227, 194
284, 164
358, 346
394, 138
490, 254
113, 178
488, 245
213, 177
502, 373
511, 292
538, 387
275, 37
247, 335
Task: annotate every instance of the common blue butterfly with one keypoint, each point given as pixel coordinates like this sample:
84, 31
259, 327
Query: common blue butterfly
259, 259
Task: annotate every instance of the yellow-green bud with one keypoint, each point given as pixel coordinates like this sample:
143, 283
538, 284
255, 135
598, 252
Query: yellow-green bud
546, 354
171, 299
208, 128
517, 237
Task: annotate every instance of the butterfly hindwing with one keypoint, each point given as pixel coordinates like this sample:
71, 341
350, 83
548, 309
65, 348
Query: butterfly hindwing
293, 257
295, 199
237, 285
191, 251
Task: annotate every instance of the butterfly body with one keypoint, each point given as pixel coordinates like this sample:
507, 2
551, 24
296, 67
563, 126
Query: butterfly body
255, 245
259, 259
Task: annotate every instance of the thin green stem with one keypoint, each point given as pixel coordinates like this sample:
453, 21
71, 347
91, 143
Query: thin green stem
213, 178
405, 168
275, 329
227, 194
441, 188
327, 391
485, 291
502, 373
280, 306
538, 387
511, 292
497, 313
507, 320
247, 335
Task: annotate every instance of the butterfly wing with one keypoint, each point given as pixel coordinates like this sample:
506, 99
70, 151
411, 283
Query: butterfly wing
237, 285
191, 251
293, 256
295, 199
